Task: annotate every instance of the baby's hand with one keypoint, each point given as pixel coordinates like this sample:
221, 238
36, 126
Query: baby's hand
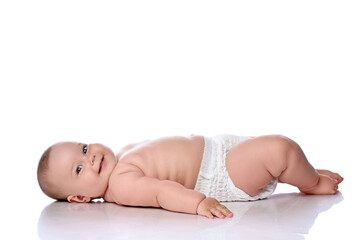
210, 207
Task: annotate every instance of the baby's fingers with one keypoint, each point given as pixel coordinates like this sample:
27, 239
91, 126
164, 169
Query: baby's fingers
225, 211
210, 207
216, 212
221, 212
208, 214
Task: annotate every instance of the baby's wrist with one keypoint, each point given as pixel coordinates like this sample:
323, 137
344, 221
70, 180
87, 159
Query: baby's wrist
200, 201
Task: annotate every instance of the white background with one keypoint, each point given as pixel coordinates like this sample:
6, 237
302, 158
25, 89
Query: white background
116, 72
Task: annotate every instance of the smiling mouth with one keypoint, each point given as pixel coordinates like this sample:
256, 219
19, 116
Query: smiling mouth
101, 165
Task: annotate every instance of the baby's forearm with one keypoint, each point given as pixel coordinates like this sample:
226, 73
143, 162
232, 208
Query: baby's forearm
132, 189
175, 197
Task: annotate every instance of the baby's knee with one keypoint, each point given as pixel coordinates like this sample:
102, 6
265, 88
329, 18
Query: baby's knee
282, 147
288, 149
282, 144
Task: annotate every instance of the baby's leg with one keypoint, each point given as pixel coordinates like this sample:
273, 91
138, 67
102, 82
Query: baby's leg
252, 165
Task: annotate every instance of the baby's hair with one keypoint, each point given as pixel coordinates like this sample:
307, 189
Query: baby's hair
43, 177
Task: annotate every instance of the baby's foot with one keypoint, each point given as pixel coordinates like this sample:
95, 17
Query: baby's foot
330, 174
325, 186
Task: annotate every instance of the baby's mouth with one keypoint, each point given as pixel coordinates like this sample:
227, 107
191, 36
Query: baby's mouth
101, 165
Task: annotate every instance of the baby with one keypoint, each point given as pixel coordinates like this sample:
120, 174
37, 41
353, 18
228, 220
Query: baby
181, 174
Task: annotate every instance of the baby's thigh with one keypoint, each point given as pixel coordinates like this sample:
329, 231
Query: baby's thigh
245, 163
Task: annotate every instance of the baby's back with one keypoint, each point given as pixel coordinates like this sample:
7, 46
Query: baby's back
172, 158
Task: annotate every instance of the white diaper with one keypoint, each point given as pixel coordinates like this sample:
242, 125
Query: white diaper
214, 180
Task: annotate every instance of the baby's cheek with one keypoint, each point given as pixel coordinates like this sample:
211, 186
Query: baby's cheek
99, 184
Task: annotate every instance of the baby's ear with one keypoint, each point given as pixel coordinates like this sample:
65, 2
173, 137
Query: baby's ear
78, 199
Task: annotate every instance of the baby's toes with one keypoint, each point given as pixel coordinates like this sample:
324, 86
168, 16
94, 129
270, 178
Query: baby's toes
325, 186
338, 178
332, 184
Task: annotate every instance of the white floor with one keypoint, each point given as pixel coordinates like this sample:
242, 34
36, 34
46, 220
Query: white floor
283, 216
287, 215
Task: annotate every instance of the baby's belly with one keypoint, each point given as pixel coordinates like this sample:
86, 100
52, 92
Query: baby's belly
193, 162
183, 162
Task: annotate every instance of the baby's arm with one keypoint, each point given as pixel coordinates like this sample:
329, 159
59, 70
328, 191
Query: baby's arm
134, 189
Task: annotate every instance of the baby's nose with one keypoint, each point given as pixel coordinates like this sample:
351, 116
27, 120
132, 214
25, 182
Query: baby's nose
92, 158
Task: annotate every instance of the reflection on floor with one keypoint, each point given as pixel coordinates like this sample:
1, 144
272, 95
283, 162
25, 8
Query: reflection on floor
282, 216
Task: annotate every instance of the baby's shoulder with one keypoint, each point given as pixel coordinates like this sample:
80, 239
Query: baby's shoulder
129, 148
127, 163
122, 180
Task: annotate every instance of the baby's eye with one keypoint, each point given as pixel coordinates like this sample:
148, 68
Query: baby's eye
78, 169
84, 149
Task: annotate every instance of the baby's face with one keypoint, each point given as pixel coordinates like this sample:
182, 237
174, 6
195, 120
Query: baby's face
81, 169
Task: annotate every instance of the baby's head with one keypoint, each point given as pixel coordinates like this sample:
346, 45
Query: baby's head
75, 172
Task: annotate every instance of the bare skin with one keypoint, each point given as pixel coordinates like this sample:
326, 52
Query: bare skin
276, 156
163, 173
269, 157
